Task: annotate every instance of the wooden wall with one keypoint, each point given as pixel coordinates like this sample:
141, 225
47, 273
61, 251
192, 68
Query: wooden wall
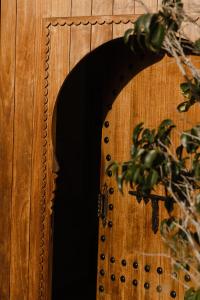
21, 35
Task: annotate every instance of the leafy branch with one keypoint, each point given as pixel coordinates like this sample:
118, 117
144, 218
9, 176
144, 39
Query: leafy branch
154, 172
163, 31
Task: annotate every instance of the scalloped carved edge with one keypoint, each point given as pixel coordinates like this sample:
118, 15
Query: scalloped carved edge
93, 20
46, 204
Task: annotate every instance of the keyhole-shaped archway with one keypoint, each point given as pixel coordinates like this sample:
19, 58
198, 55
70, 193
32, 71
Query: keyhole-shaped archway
83, 102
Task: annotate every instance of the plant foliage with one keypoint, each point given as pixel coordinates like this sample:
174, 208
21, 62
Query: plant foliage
152, 163
151, 30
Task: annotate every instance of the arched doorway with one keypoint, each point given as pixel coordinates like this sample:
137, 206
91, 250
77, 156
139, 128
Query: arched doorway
83, 103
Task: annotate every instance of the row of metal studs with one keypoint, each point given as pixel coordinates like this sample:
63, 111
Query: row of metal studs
112, 260
146, 286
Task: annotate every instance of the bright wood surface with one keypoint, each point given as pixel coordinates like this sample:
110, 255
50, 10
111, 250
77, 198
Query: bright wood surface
22, 152
77, 40
81, 8
123, 7
27, 254
61, 8
7, 97
102, 7
131, 236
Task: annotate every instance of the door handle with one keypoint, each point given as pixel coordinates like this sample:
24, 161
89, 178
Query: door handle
103, 204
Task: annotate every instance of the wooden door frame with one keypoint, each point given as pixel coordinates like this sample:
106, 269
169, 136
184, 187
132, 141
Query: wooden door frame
44, 167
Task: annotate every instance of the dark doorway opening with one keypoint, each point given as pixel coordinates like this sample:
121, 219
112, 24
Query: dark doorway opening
83, 102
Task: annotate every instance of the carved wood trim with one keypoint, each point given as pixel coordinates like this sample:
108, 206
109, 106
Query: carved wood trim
93, 20
45, 203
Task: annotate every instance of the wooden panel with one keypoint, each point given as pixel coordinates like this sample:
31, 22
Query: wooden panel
7, 87
131, 237
102, 7
80, 39
38, 263
53, 69
61, 8
123, 7
152, 5
81, 8
100, 35
119, 29
191, 6
23, 135
59, 60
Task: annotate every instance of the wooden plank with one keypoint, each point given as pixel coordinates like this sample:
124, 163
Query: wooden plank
143, 112
80, 39
191, 6
152, 5
100, 35
102, 7
159, 4
123, 7
81, 8
131, 236
58, 71
120, 29
61, 8
23, 134
37, 260
7, 86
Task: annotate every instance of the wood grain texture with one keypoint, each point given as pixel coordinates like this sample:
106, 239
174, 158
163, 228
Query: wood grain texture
54, 60
61, 8
23, 137
152, 5
191, 6
38, 263
80, 39
100, 35
102, 7
27, 218
123, 7
131, 237
7, 88
81, 8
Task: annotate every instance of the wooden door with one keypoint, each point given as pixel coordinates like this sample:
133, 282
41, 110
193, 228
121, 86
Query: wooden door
129, 91
129, 262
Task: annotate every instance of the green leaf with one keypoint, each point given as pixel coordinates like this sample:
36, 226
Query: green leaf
197, 44
150, 157
152, 178
140, 152
196, 132
127, 35
142, 24
166, 122
148, 136
197, 204
157, 37
120, 183
185, 139
136, 133
134, 151
184, 106
179, 152
136, 174
190, 294
142, 28
197, 171
185, 87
